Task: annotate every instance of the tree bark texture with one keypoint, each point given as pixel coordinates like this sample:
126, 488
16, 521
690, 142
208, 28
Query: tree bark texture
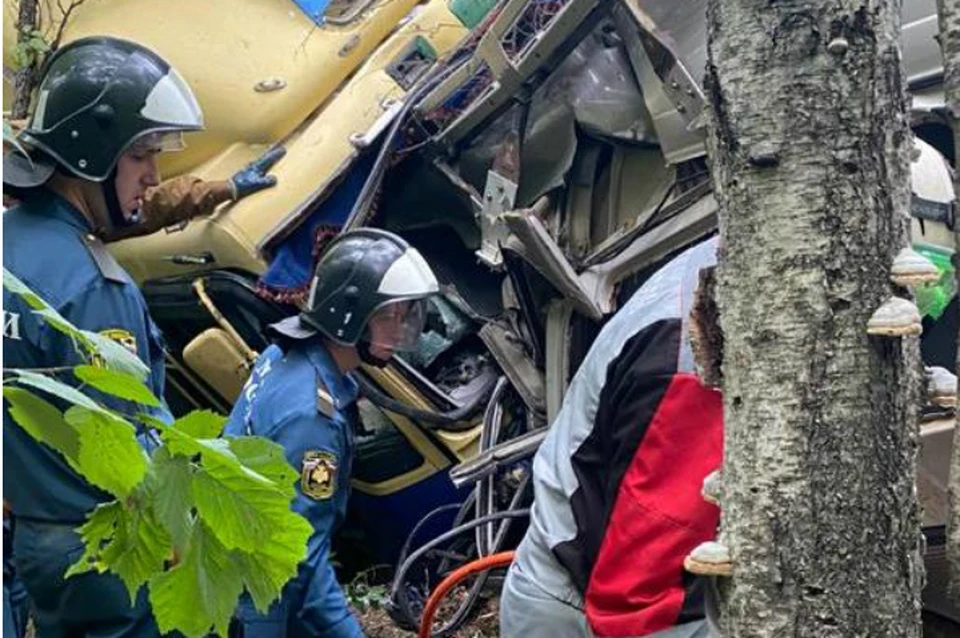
949, 15
809, 146
24, 78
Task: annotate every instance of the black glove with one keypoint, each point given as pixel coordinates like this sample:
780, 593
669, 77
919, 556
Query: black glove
253, 177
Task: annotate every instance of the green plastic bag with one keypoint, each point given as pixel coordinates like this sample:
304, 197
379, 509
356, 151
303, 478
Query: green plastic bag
932, 299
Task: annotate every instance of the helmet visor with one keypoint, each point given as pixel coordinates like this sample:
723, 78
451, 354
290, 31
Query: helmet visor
164, 142
396, 326
172, 103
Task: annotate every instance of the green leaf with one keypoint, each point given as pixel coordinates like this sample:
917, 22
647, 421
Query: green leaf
211, 450
275, 562
99, 529
151, 421
117, 384
240, 509
58, 323
267, 459
110, 456
12, 283
44, 422
32, 299
131, 543
58, 389
114, 356
170, 479
38, 44
201, 424
199, 593
139, 548
22, 55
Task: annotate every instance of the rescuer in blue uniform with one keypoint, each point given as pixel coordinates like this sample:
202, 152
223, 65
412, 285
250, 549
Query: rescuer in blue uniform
367, 301
105, 107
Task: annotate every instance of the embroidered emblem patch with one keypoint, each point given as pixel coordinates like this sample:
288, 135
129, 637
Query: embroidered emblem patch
318, 477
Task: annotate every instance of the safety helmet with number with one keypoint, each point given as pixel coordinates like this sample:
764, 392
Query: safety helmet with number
369, 290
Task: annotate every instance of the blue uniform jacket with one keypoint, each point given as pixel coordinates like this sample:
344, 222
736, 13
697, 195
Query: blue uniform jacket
300, 400
47, 245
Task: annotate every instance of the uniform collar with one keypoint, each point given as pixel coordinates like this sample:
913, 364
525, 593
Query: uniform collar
343, 388
49, 203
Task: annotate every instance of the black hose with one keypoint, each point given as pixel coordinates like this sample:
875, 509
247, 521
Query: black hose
405, 550
457, 522
466, 607
447, 419
492, 419
489, 435
399, 607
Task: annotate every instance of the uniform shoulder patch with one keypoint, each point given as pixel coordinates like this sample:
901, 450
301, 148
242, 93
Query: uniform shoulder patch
109, 267
325, 403
318, 476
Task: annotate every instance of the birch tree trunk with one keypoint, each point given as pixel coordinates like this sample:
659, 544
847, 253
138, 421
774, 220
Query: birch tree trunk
949, 14
809, 147
24, 78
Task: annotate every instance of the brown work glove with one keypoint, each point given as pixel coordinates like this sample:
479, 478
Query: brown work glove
173, 202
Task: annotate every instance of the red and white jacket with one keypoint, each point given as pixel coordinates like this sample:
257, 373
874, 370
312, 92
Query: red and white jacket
617, 480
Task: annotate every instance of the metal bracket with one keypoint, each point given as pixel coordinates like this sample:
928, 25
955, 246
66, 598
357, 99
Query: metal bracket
499, 196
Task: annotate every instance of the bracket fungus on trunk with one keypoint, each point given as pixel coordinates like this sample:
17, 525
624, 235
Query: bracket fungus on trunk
897, 317
709, 559
911, 269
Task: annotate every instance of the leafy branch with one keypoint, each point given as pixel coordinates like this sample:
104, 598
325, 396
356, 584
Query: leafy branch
196, 518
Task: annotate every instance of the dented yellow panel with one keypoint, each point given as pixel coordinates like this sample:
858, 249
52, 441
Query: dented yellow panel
226, 48
316, 154
334, 83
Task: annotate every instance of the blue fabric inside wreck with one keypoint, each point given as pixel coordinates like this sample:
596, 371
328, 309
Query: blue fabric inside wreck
314, 9
292, 265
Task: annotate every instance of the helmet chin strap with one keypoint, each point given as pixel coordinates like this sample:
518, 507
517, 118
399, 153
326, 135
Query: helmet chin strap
114, 211
363, 349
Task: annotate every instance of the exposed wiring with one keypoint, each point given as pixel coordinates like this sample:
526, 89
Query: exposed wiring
466, 607
401, 609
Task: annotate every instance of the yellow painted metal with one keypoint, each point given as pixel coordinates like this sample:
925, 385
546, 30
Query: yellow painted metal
394, 383
224, 48
396, 386
334, 84
464, 444
317, 152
